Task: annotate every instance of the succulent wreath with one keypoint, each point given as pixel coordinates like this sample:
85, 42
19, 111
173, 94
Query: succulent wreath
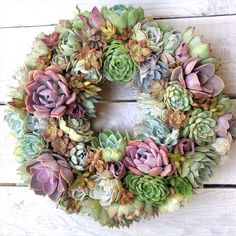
116, 178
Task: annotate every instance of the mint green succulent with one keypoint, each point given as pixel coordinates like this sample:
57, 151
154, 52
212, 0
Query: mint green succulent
158, 131
180, 185
197, 48
106, 188
112, 145
118, 64
16, 120
61, 61
151, 190
28, 147
200, 127
200, 166
177, 98
149, 31
122, 17
24, 175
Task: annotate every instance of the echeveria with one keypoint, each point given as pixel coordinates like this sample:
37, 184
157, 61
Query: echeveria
152, 190
50, 175
118, 65
28, 147
123, 17
107, 189
47, 93
145, 157
16, 120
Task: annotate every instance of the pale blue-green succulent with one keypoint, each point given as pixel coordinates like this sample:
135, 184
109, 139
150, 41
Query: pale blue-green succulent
16, 120
35, 125
28, 147
158, 131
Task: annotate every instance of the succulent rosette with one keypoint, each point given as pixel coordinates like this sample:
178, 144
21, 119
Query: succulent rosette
186, 129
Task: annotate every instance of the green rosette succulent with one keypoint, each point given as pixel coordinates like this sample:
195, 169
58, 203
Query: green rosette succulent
118, 64
122, 17
177, 98
152, 190
158, 131
197, 168
180, 185
16, 120
28, 147
106, 188
149, 31
172, 203
200, 127
112, 145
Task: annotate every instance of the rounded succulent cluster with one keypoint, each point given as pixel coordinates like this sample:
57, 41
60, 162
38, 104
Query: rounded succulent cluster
117, 178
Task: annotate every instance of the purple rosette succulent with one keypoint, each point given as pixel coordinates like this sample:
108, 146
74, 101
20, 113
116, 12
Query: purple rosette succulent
117, 168
47, 93
50, 175
145, 157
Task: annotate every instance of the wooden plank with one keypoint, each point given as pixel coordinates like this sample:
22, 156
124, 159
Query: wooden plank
31, 13
223, 42
211, 212
116, 116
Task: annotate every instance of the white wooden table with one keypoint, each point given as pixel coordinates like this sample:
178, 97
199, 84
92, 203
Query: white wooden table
211, 212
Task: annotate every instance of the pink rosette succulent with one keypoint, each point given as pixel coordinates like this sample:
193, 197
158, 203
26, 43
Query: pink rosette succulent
223, 126
47, 93
117, 168
50, 175
145, 157
198, 78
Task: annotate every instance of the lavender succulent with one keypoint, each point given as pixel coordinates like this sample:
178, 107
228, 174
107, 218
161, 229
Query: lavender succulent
47, 93
145, 157
50, 175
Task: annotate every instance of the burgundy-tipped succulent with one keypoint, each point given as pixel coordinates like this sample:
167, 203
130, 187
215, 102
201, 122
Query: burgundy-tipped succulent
117, 168
145, 157
50, 175
47, 93
75, 111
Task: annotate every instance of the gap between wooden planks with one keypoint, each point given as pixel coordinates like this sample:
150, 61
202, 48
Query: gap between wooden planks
210, 212
31, 14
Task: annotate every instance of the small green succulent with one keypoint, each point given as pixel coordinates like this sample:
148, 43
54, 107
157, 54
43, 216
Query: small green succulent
112, 145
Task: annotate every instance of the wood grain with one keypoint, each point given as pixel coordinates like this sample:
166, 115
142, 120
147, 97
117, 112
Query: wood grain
116, 116
10, 16
223, 42
211, 212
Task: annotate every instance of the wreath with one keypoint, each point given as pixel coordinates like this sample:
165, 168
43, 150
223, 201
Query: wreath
114, 177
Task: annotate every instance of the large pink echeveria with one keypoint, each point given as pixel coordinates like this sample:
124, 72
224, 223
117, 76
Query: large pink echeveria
199, 79
145, 157
47, 93
50, 175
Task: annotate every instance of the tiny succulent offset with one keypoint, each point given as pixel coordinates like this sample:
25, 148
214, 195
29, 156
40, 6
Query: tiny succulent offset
115, 177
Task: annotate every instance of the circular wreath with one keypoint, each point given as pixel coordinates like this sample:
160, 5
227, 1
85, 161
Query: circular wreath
114, 177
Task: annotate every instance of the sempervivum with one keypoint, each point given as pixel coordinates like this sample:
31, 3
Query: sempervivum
145, 157
47, 93
50, 175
